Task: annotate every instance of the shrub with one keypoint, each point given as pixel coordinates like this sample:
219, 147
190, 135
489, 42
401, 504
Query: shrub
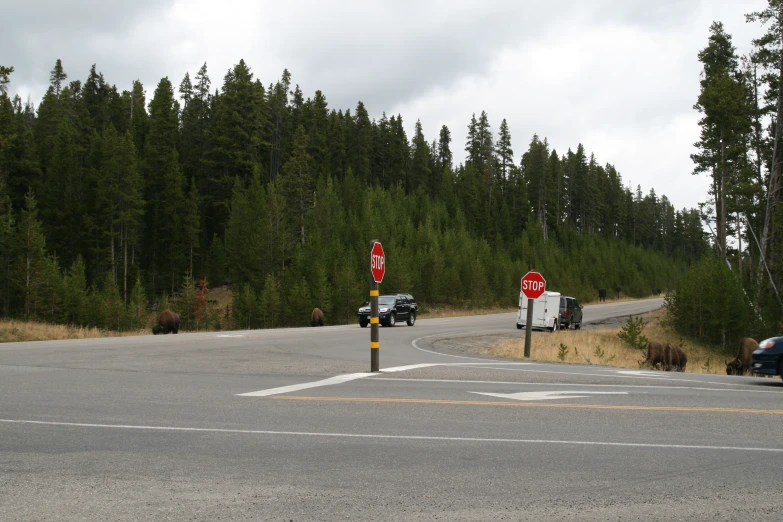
631, 333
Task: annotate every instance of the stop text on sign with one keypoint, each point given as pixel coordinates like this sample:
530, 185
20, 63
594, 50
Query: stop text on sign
377, 262
533, 285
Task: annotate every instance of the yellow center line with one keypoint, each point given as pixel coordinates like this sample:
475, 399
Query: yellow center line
528, 404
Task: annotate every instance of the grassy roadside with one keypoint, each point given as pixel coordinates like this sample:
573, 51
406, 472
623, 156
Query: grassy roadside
602, 347
21, 331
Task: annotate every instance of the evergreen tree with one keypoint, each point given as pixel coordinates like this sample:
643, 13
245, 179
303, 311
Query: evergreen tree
30, 267
191, 221
163, 189
6, 248
445, 159
505, 154
421, 175
725, 124
238, 136
298, 184
57, 77
5, 73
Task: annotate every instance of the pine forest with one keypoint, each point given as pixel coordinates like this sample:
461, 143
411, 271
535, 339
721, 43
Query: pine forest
115, 201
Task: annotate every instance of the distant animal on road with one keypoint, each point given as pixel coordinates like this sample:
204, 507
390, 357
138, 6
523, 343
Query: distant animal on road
317, 317
654, 355
602, 294
167, 322
741, 363
675, 358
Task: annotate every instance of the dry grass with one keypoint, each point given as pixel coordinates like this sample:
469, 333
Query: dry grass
602, 347
441, 312
21, 331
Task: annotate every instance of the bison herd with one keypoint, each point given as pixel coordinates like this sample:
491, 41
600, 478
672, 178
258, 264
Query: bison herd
669, 356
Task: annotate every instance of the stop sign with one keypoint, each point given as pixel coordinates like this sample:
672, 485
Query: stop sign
377, 262
533, 285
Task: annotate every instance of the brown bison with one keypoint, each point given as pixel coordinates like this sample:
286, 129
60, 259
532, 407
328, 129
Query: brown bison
654, 355
675, 358
741, 363
167, 322
317, 317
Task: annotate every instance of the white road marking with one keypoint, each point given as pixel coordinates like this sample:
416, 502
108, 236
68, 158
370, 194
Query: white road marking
473, 365
546, 395
230, 335
639, 445
339, 379
507, 383
638, 373
406, 368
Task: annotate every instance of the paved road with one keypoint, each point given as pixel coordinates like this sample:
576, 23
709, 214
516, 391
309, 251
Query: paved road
289, 425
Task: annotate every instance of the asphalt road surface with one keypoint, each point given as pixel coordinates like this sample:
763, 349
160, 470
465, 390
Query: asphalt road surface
290, 425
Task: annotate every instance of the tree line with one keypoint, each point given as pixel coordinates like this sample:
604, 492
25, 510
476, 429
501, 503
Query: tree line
107, 197
740, 148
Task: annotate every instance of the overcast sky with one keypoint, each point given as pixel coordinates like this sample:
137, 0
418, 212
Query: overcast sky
619, 76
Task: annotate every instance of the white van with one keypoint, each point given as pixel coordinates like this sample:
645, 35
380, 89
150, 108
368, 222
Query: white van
546, 310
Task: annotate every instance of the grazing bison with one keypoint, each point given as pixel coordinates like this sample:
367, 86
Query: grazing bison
167, 322
654, 355
675, 358
317, 317
602, 294
741, 363
618, 292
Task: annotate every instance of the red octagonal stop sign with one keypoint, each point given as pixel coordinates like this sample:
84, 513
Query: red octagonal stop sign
533, 285
377, 262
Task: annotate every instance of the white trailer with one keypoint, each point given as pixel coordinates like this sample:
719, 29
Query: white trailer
546, 310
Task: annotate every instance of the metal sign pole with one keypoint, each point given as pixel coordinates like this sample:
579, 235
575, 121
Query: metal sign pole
375, 342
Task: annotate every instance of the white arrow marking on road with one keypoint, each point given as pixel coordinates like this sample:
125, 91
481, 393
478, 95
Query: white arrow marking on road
640, 373
547, 395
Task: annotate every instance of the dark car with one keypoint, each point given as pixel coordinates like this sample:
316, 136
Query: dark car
391, 309
768, 358
570, 313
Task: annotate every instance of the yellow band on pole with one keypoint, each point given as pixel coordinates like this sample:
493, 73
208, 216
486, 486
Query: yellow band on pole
374, 293
374, 320
375, 345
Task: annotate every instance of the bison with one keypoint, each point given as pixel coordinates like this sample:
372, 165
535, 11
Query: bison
675, 358
741, 363
601, 294
167, 322
654, 355
317, 317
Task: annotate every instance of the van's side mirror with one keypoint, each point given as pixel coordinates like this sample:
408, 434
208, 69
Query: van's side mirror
580, 307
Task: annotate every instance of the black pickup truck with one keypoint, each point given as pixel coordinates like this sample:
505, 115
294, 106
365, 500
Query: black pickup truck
391, 309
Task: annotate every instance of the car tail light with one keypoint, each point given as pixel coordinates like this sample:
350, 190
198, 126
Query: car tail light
769, 343
565, 314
